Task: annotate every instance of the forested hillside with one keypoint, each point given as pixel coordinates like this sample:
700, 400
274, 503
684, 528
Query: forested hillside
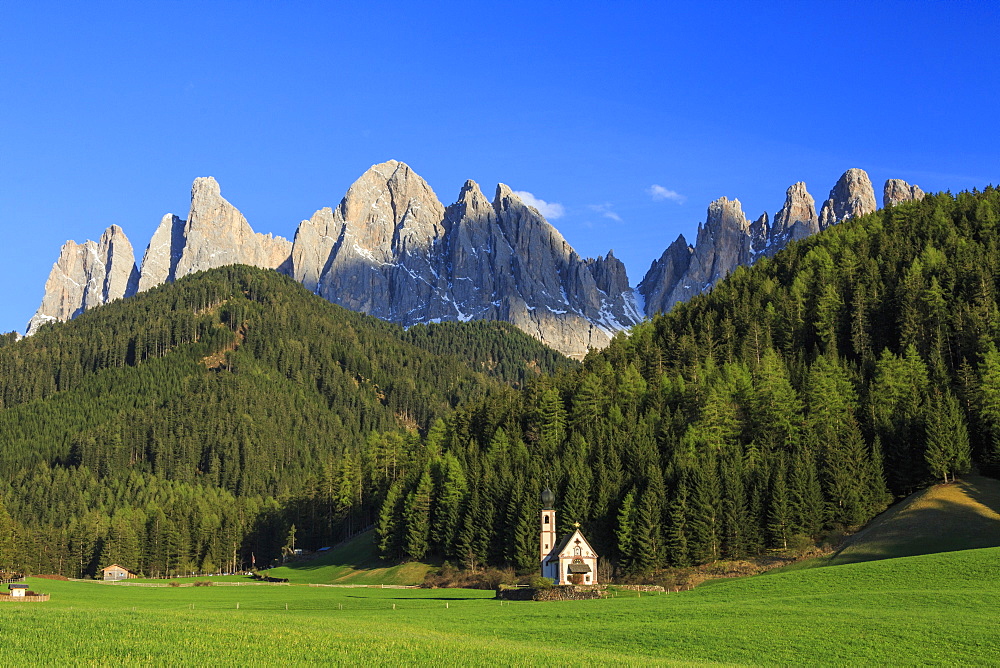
172, 431
801, 395
218, 418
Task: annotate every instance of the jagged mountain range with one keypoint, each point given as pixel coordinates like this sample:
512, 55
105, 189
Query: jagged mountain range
392, 249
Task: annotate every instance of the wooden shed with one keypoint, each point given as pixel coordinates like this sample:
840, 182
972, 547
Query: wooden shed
116, 572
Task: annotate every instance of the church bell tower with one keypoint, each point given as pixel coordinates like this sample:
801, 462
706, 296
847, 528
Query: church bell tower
547, 537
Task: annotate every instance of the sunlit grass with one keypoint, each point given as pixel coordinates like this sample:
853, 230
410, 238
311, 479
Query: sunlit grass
928, 609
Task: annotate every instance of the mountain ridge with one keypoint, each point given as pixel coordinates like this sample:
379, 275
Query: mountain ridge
390, 248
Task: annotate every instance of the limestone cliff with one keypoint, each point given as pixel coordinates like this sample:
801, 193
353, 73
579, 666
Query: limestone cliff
797, 218
216, 234
88, 275
852, 196
159, 264
726, 240
898, 190
393, 250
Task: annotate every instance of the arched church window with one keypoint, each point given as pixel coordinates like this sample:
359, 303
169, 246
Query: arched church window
546, 519
576, 551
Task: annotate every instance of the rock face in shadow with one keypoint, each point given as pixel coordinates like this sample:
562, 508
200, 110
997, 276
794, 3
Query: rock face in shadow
88, 275
898, 190
725, 241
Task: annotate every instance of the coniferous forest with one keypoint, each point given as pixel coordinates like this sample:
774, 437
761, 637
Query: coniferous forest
208, 422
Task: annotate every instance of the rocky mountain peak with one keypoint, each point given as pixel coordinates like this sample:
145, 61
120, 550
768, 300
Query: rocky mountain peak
725, 215
314, 241
852, 196
88, 275
216, 234
121, 277
390, 206
163, 252
760, 234
898, 190
662, 283
797, 218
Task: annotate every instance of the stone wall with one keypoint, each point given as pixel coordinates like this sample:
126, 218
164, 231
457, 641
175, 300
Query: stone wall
559, 593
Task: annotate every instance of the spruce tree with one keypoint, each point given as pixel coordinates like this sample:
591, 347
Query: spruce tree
677, 528
626, 529
388, 528
417, 518
947, 437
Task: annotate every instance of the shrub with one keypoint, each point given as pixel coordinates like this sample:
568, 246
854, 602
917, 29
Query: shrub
538, 582
175, 583
203, 583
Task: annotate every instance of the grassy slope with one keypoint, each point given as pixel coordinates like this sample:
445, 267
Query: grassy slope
958, 516
927, 609
354, 562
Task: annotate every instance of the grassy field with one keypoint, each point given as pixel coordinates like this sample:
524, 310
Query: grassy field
927, 609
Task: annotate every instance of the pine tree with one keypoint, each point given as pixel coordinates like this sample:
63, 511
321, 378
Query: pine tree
417, 518
388, 529
677, 529
805, 493
947, 437
779, 516
9, 554
735, 519
705, 530
898, 409
448, 504
776, 408
523, 515
626, 529
989, 405
646, 540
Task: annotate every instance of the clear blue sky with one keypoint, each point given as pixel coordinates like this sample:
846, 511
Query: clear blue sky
110, 110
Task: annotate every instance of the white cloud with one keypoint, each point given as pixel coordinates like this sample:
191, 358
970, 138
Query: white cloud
606, 211
550, 210
660, 193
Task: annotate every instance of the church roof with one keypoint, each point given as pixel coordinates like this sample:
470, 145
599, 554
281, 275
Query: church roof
565, 542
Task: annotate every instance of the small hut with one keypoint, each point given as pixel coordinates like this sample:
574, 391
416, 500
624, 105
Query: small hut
18, 590
115, 572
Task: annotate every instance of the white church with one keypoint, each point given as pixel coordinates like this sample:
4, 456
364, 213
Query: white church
569, 561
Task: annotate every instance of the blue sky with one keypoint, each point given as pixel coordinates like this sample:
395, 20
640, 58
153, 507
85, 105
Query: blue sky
110, 110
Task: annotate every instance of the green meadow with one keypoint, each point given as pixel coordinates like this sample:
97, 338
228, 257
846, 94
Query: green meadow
937, 608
